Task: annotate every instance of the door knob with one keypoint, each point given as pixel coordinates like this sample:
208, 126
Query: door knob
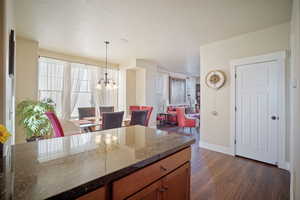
273, 117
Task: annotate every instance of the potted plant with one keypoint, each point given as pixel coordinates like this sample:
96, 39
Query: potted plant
31, 115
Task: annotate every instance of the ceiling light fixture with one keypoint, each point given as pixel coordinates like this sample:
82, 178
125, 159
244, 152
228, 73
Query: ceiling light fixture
106, 83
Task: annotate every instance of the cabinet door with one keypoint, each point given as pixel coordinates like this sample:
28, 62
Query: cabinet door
176, 185
99, 194
152, 192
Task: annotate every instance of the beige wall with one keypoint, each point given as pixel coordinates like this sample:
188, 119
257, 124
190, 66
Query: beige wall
74, 58
145, 82
26, 69
130, 87
26, 76
140, 87
216, 129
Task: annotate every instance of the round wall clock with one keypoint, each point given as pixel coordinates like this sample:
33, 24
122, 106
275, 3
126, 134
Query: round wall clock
215, 79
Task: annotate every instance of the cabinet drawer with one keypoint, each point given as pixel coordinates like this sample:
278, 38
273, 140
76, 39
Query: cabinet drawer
134, 182
99, 194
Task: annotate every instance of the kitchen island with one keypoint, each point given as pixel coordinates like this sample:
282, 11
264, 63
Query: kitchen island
126, 163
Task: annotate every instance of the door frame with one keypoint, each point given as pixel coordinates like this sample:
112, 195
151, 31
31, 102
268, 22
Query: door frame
279, 57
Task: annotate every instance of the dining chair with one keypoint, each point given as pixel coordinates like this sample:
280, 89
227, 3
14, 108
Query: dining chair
132, 108
69, 127
183, 121
149, 109
86, 112
138, 117
112, 120
57, 128
103, 109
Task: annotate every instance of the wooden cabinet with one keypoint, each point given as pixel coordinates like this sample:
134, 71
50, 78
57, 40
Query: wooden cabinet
174, 186
138, 180
167, 179
99, 194
152, 192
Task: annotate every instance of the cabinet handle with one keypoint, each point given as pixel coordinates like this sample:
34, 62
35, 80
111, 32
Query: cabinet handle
163, 168
163, 189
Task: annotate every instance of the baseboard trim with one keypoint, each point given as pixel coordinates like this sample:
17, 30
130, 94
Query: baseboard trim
215, 147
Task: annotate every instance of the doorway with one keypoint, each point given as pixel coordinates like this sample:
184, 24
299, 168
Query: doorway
259, 108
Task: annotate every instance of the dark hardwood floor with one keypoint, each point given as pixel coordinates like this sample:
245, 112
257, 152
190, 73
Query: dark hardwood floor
217, 176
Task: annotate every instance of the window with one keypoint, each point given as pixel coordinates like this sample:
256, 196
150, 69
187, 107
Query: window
177, 90
72, 85
81, 88
51, 81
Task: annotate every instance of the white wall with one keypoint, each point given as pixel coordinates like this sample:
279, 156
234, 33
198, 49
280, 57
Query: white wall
295, 102
216, 129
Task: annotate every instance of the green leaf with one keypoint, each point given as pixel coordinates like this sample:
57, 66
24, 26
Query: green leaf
31, 115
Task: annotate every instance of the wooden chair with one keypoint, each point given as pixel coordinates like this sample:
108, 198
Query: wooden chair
112, 120
139, 117
57, 128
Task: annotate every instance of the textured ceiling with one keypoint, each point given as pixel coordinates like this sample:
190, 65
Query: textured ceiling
169, 32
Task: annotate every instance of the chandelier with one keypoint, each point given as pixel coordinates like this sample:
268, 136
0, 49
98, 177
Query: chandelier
106, 83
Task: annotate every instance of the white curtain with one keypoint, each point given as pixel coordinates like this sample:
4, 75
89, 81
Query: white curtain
71, 83
75, 85
66, 94
96, 96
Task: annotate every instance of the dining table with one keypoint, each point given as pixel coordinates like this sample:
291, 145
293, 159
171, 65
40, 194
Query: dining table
90, 124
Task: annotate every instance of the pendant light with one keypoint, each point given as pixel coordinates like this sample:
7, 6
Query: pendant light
106, 83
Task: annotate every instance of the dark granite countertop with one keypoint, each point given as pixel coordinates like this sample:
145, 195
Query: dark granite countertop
65, 168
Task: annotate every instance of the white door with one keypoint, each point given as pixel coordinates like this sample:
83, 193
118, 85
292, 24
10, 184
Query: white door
257, 120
